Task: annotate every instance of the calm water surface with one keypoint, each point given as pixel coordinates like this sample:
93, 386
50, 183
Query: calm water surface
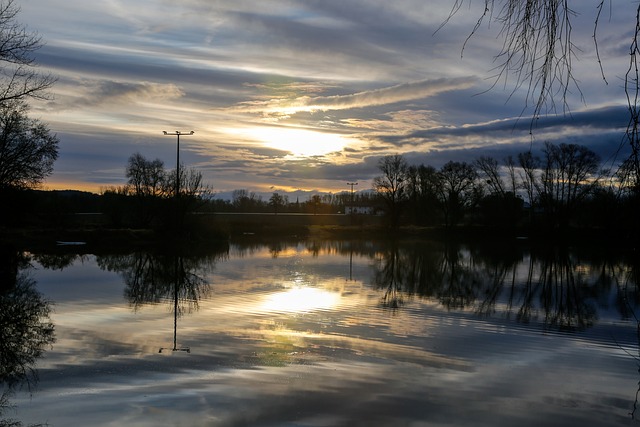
334, 334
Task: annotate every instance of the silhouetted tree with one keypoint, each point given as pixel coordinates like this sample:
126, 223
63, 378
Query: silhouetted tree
146, 178
529, 165
569, 175
314, 203
192, 187
391, 186
146, 181
501, 207
276, 201
245, 201
27, 148
191, 195
457, 190
489, 169
422, 183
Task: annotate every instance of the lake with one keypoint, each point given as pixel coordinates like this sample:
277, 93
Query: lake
324, 333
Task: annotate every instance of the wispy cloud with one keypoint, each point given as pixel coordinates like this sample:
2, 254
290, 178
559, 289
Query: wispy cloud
383, 96
114, 92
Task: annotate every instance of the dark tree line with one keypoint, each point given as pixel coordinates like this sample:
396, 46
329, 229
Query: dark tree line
562, 187
245, 201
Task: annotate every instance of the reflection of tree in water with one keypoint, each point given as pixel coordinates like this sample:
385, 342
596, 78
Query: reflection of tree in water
459, 280
551, 285
628, 280
154, 278
25, 331
388, 276
565, 297
431, 270
57, 261
547, 284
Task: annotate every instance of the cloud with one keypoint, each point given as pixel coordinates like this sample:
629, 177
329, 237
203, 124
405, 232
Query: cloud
114, 92
383, 96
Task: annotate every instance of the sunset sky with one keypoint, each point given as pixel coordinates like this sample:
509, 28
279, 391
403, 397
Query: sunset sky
301, 95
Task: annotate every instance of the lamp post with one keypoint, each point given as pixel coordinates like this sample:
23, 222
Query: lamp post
177, 134
177, 195
352, 184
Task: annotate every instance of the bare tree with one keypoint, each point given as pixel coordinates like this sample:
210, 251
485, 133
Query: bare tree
570, 174
245, 201
391, 186
27, 148
314, 203
19, 76
529, 164
489, 168
146, 181
422, 184
276, 201
511, 174
501, 207
145, 177
191, 184
457, 190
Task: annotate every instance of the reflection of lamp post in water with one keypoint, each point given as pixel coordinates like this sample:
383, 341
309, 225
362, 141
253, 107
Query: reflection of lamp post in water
175, 316
352, 184
350, 262
175, 327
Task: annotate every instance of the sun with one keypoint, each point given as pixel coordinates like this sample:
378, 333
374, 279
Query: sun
298, 142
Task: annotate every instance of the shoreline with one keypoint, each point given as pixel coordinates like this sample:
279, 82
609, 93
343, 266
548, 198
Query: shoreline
101, 239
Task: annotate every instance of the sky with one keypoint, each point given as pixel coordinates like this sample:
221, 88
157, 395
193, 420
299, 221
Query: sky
302, 96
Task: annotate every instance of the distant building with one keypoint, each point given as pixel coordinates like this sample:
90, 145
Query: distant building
359, 210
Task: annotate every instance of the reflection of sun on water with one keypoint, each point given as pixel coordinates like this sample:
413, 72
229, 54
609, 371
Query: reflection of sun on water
301, 299
299, 142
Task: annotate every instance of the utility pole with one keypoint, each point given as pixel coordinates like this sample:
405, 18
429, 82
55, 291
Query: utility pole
177, 134
177, 195
352, 184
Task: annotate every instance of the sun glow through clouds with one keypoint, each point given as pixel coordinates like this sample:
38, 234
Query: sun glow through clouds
298, 142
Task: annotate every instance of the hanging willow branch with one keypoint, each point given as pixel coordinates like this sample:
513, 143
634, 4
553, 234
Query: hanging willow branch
632, 89
537, 49
538, 52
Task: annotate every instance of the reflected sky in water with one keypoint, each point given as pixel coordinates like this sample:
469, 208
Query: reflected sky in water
304, 334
